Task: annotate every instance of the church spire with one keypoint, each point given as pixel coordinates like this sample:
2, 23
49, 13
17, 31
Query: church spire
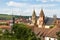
41, 20
34, 14
42, 13
34, 18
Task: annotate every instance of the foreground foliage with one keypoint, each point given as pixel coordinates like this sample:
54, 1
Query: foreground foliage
19, 32
58, 35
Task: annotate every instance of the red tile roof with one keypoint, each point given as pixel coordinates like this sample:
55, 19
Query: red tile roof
40, 31
53, 31
5, 27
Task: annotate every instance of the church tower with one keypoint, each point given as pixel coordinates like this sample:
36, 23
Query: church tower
55, 19
41, 19
34, 20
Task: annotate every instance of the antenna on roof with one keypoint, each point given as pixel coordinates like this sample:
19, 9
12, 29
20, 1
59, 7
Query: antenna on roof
13, 18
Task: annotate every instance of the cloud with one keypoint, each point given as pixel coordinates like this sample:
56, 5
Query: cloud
9, 11
43, 5
26, 0
44, 1
52, 0
15, 4
5, 11
51, 12
27, 9
55, 0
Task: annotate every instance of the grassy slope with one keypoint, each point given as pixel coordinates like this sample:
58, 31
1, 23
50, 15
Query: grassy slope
5, 16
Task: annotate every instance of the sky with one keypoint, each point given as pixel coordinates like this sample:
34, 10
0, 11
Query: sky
26, 7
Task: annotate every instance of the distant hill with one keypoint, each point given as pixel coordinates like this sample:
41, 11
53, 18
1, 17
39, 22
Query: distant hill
8, 17
5, 16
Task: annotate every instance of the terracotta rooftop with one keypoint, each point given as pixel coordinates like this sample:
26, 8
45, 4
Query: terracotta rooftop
48, 32
40, 31
5, 27
53, 31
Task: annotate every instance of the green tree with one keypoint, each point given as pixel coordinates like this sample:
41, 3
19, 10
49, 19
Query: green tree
58, 34
7, 36
51, 26
21, 32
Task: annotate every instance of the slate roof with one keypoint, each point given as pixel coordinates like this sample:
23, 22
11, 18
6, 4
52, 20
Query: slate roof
49, 20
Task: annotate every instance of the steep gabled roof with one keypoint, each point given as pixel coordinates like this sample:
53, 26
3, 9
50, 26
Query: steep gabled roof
40, 31
53, 31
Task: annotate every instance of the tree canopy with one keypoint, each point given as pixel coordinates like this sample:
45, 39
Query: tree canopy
20, 32
58, 35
